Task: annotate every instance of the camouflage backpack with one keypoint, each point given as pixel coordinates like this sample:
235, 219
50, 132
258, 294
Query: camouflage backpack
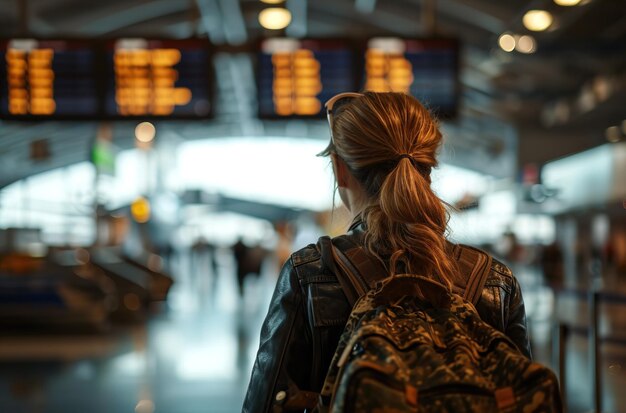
401, 352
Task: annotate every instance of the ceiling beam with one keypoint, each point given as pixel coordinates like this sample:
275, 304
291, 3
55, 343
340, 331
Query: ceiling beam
469, 13
298, 27
233, 24
365, 6
101, 21
210, 17
406, 23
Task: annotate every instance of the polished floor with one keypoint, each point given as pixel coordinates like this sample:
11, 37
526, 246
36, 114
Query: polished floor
196, 352
194, 355
568, 307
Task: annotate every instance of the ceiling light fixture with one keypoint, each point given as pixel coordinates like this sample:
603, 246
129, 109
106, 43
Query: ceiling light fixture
279, 1
602, 87
613, 134
567, 3
526, 44
537, 20
275, 18
506, 42
144, 132
562, 111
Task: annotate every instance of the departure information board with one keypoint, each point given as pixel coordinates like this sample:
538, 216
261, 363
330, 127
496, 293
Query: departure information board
157, 78
147, 78
426, 69
40, 78
296, 77
89, 79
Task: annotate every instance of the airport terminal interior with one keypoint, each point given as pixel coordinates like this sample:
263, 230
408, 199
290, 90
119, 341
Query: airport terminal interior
158, 166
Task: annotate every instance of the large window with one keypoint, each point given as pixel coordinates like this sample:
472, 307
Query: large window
60, 202
279, 171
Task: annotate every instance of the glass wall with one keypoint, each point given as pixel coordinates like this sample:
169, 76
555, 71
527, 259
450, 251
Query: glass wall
278, 171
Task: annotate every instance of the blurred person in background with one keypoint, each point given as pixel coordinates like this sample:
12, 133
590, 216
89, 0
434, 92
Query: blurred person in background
248, 261
510, 249
383, 147
552, 266
203, 263
615, 252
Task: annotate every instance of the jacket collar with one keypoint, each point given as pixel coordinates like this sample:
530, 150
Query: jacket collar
356, 222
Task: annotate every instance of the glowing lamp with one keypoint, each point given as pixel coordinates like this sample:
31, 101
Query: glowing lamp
567, 2
526, 44
537, 20
613, 134
275, 18
507, 42
144, 132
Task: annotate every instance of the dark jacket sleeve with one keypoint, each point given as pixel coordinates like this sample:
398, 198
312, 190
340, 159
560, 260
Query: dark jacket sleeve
284, 346
515, 324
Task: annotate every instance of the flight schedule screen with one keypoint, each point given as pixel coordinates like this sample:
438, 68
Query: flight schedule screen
88, 79
157, 78
47, 78
426, 69
296, 77
149, 78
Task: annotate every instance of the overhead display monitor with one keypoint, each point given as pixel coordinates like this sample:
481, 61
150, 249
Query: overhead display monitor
47, 78
424, 68
162, 78
91, 79
296, 77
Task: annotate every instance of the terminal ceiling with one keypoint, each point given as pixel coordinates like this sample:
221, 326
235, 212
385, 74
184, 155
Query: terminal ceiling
588, 43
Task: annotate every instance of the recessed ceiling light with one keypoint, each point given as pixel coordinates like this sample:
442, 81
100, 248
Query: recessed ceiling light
613, 134
602, 87
537, 20
275, 18
144, 132
562, 111
506, 42
567, 2
526, 44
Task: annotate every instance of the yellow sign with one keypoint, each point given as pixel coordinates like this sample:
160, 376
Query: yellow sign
140, 210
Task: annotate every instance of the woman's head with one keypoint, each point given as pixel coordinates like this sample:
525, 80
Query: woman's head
389, 143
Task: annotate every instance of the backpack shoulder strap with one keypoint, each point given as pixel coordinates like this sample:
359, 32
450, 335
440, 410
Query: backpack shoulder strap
349, 287
356, 271
369, 270
474, 268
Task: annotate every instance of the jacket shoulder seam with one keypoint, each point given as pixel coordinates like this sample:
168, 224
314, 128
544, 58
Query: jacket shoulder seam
305, 255
500, 268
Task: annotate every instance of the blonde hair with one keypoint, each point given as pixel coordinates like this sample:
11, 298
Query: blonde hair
389, 141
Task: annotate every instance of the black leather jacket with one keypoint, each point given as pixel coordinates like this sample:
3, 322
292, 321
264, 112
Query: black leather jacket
307, 315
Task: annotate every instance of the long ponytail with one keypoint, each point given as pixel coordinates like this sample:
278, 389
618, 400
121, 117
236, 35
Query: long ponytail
389, 141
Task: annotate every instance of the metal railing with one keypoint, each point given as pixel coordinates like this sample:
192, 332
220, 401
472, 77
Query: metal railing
564, 330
